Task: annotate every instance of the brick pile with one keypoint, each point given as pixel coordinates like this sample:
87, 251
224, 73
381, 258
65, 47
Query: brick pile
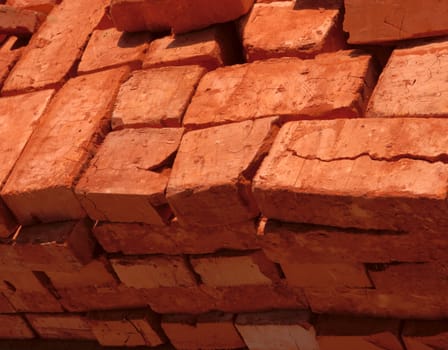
223, 175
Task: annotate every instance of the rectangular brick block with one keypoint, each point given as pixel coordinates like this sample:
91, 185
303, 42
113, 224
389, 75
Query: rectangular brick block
44, 6
50, 326
17, 21
14, 135
374, 22
159, 272
210, 48
277, 330
307, 28
156, 97
339, 332
332, 173
26, 293
219, 271
208, 331
126, 328
125, 182
57, 46
425, 335
40, 188
289, 87
110, 48
412, 83
178, 15
208, 194
14, 327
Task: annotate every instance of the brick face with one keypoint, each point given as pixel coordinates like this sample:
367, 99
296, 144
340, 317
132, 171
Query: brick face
50, 326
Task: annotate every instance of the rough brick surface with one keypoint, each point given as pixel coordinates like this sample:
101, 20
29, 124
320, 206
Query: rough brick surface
44, 6
127, 173
14, 135
5, 305
277, 330
178, 15
200, 191
111, 48
425, 335
158, 271
209, 48
156, 97
413, 83
17, 21
14, 327
40, 187
209, 331
307, 28
55, 48
374, 22
332, 173
50, 326
9, 55
289, 87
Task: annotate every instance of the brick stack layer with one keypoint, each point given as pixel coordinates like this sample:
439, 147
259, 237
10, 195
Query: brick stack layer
267, 177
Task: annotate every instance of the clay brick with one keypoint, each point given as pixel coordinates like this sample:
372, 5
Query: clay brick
57, 46
17, 21
5, 305
26, 292
50, 326
179, 16
374, 22
126, 328
277, 330
209, 48
210, 195
358, 333
159, 271
125, 182
425, 335
58, 247
412, 83
40, 187
307, 28
174, 239
9, 55
110, 48
288, 87
14, 327
219, 271
156, 97
14, 135
332, 173
44, 6
316, 275
208, 331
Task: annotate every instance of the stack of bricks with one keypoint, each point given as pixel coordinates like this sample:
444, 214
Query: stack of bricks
223, 175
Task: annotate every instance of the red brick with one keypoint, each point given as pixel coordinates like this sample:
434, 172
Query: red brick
156, 97
57, 46
125, 182
179, 16
50, 326
208, 194
358, 333
373, 22
159, 272
15, 133
209, 331
14, 327
26, 293
5, 305
209, 48
174, 239
17, 21
9, 55
126, 328
307, 28
219, 271
425, 335
289, 87
40, 187
277, 330
44, 6
413, 83
110, 48
332, 173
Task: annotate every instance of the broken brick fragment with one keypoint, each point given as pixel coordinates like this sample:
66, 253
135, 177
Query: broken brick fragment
44, 6
17, 21
62, 326
9, 55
